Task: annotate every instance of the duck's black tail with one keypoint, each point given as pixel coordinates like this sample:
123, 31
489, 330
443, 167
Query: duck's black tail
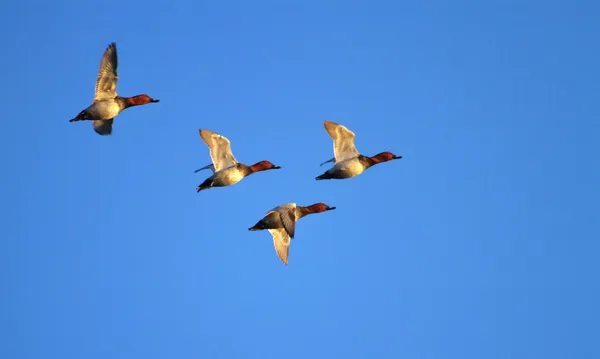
81, 116
204, 185
258, 226
324, 176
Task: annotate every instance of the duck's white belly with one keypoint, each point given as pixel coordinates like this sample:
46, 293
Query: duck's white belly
349, 168
104, 110
228, 176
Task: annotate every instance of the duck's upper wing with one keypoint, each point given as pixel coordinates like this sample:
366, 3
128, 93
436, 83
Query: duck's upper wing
287, 213
343, 141
281, 240
220, 150
106, 83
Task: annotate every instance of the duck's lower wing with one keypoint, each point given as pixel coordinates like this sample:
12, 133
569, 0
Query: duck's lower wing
210, 167
330, 160
281, 240
103, 127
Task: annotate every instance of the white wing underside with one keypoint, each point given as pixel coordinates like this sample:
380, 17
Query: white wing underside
281, 241
343, 142
106, 82
220, 150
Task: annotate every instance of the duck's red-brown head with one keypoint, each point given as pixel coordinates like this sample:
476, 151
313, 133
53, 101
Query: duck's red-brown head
263, 166
140, 100
317, 208
384, 157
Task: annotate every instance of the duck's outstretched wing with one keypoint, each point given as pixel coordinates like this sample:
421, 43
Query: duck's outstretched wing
330, 160
287, 214
103, 127
281, 241
220, 150
106, 83
210, 167
343, 141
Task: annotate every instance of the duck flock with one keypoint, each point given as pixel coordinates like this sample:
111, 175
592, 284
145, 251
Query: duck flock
281, 220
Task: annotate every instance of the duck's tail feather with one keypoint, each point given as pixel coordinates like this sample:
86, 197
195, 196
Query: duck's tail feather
258, 226
81, 116
204, 185
324, 176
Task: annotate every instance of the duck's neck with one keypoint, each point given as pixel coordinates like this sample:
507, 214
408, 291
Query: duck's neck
135, 101
248, 170
305, 211
259, 166
377, 159
367, 161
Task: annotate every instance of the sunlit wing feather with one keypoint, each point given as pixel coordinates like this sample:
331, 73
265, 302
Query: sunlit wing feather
106, 83
281, 241
220, 150
343, 141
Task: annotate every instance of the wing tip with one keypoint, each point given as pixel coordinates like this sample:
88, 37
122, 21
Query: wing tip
209, 137
283, 257
203, 131
330, 127
204, 134
111, 48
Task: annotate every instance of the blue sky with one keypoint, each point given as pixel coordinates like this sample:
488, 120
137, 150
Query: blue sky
482, 242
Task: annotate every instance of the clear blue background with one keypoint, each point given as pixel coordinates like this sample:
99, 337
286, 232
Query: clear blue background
482, 242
